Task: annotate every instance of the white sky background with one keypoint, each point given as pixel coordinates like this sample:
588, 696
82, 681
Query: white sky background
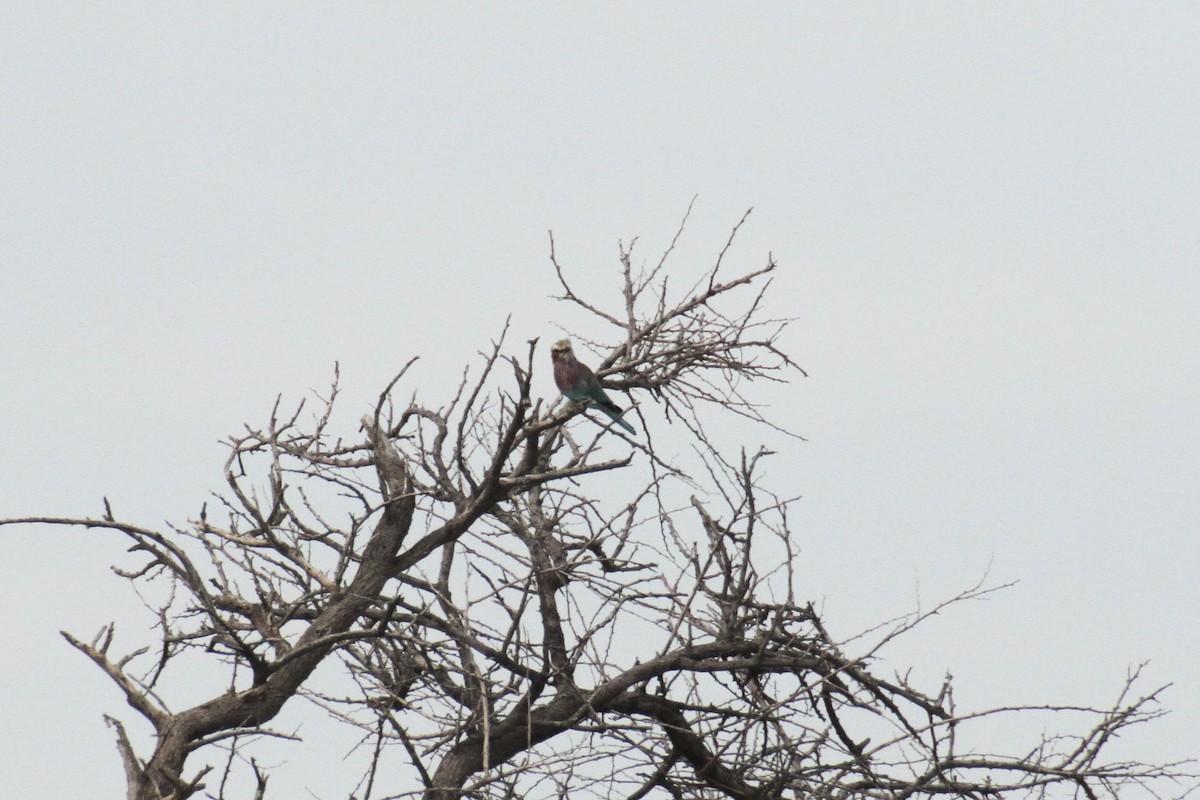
986, 219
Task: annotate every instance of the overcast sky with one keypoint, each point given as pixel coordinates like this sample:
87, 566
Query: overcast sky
986, 220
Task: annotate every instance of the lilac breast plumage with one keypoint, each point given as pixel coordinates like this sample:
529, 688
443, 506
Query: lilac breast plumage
568, 375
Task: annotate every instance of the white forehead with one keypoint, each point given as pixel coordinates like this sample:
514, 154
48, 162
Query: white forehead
562, 344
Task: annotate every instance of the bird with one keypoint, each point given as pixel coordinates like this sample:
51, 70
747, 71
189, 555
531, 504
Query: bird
578, 383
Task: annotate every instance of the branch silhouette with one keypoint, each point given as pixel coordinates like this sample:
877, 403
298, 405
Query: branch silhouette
520, 602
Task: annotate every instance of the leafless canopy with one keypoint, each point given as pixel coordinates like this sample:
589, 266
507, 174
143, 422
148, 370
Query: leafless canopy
511, 598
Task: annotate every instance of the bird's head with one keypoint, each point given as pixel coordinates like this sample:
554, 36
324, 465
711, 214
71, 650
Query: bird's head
561, 350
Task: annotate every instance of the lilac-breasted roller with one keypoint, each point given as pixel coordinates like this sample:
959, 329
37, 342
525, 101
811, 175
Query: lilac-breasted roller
579, 384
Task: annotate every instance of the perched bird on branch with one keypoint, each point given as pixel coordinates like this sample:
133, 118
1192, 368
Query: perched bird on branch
579, 384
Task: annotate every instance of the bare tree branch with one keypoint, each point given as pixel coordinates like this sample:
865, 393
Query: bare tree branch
506, 600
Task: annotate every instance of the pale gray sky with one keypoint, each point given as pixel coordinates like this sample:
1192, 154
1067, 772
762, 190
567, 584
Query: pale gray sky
986, 217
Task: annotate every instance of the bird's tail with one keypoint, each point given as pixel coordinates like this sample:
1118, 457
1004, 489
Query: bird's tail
614, 413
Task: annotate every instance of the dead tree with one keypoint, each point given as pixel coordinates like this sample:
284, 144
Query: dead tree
528, 602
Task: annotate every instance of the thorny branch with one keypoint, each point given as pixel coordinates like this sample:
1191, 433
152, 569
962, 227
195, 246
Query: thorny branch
523, 604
